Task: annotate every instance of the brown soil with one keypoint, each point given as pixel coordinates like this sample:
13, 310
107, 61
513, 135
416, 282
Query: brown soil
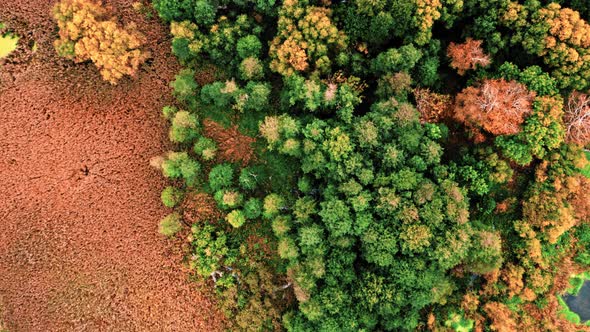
200, 208
79, 207
232, 145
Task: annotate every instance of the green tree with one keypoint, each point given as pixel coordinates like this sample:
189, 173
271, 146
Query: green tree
248, 46
179, 165
252, 208
185, 86
171, 196
184, 127
205, 148
236, 218
221, 176
170, 225
396, 59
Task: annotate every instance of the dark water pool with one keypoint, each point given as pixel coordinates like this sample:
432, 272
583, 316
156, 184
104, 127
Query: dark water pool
580, 304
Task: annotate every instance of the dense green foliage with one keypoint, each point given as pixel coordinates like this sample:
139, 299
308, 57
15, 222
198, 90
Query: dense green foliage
345, 196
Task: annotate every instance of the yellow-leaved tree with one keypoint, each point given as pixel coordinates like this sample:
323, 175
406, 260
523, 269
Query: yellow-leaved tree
86, 33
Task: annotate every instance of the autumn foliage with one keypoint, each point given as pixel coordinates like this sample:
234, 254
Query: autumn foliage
304, 37
496, 106
577, 118
560, 36
85, 33
433, 107
501, 317
467, 56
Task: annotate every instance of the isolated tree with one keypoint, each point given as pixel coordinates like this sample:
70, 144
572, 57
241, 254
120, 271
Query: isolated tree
577, 118
495, 106
468, 55
85, 33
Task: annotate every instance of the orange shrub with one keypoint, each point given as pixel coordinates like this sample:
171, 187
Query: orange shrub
86, 34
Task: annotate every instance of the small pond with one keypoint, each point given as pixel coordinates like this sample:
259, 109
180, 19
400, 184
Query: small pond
580, 303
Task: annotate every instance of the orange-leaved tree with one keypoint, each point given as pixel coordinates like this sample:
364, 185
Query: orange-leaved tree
467, 56
496, 106
85, 33
433, 107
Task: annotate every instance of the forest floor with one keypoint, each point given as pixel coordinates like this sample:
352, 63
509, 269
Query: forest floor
79, 207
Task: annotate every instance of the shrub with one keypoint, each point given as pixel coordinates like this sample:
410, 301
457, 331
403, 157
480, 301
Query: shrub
85, 34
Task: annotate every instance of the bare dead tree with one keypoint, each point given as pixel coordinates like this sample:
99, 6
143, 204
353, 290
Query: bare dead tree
577, 118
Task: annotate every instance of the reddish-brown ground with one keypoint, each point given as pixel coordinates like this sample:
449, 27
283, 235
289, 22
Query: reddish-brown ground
232, 145
79, 203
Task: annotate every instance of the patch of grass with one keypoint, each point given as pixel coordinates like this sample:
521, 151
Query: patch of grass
576, 282
586, 170
8, 42
566, 313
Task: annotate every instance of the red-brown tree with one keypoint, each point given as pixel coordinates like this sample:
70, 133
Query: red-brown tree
496, 106
467, 56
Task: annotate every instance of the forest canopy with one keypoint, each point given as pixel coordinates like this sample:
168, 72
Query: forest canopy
381, 165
